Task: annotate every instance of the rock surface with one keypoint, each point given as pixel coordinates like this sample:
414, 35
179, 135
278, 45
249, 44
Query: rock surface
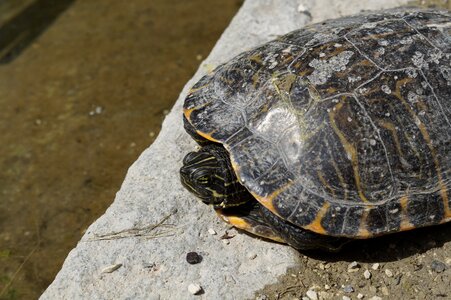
153, 222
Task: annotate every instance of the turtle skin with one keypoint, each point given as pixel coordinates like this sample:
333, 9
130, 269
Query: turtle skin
341, 128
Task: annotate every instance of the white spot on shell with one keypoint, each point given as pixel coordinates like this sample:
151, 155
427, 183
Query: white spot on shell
324, 69
354, 78
380, 50
349, 119
418, 60
386, 89
393, 211
372, 142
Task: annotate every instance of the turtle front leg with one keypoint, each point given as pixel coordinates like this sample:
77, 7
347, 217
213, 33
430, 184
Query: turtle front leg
247, 217
254, 218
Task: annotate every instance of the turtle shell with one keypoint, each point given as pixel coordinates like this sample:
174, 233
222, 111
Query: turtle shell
343, 127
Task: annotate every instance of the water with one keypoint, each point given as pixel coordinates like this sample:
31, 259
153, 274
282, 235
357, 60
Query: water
84, 86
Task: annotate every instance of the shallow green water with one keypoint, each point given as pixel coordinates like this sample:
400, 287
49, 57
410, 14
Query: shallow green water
83, 90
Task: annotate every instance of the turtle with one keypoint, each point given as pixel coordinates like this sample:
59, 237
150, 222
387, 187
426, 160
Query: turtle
331, 133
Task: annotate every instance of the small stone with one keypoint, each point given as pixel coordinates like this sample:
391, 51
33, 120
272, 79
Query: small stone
373, 289
225, 242
251, 256
353, 267
385, 291
312, 295
360, 296
438, 266
98, 110
367, 274
193, 258
348, 289
194, 289
346, 298
375, 298
388, 272
111, 269
302, 8
375, 266
211, 231
327, 287
305, 298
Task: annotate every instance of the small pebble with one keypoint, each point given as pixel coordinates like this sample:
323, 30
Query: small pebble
111, 269
346, 298
211, 231
193, 258
367, 274
226, 242
194, 289
360, 296
251, 256
305, 298
353, 267
348, 289
327, 287
312, 295
302, 8
388, 272
375, 298
375, 266
438, 266
385, 291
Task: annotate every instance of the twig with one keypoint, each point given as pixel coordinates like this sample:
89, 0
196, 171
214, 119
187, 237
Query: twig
137, 232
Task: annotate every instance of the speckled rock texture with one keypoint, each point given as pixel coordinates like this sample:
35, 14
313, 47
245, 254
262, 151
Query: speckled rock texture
138, 248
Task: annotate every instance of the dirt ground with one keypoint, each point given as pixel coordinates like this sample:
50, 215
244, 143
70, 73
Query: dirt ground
410, 265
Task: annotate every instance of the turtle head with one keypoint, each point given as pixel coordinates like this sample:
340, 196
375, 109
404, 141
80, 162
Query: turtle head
209, 175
